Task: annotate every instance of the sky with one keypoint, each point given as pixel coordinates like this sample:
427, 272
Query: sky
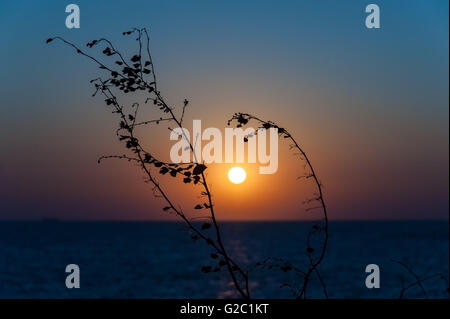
369, 106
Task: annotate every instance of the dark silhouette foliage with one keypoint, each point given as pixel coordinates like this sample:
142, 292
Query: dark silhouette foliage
137, 74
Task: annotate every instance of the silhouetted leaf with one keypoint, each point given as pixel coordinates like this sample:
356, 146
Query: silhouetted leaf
199, 169
49, 40
242, 120
163, 170
166, 208
310, 250
132, 142
123, 124
147, 158
91, 44
198, 206
206, 226
107, 51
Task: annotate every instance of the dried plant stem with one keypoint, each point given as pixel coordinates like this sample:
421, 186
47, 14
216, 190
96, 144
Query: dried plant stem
244, 118
132, 79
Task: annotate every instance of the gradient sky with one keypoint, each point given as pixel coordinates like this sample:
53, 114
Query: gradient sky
370, 107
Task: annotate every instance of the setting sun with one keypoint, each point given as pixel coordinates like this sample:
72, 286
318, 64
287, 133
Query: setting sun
237, 175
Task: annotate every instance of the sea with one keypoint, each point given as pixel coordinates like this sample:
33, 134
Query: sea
160, 260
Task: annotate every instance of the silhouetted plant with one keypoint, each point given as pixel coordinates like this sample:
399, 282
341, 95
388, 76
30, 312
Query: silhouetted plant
137, 74
317, 202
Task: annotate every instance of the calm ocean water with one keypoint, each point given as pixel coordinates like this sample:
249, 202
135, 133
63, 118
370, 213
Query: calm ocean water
158, 260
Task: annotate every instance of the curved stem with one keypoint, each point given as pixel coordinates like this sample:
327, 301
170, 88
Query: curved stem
320, 198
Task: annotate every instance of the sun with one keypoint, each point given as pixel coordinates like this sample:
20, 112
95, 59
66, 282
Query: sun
237, 175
